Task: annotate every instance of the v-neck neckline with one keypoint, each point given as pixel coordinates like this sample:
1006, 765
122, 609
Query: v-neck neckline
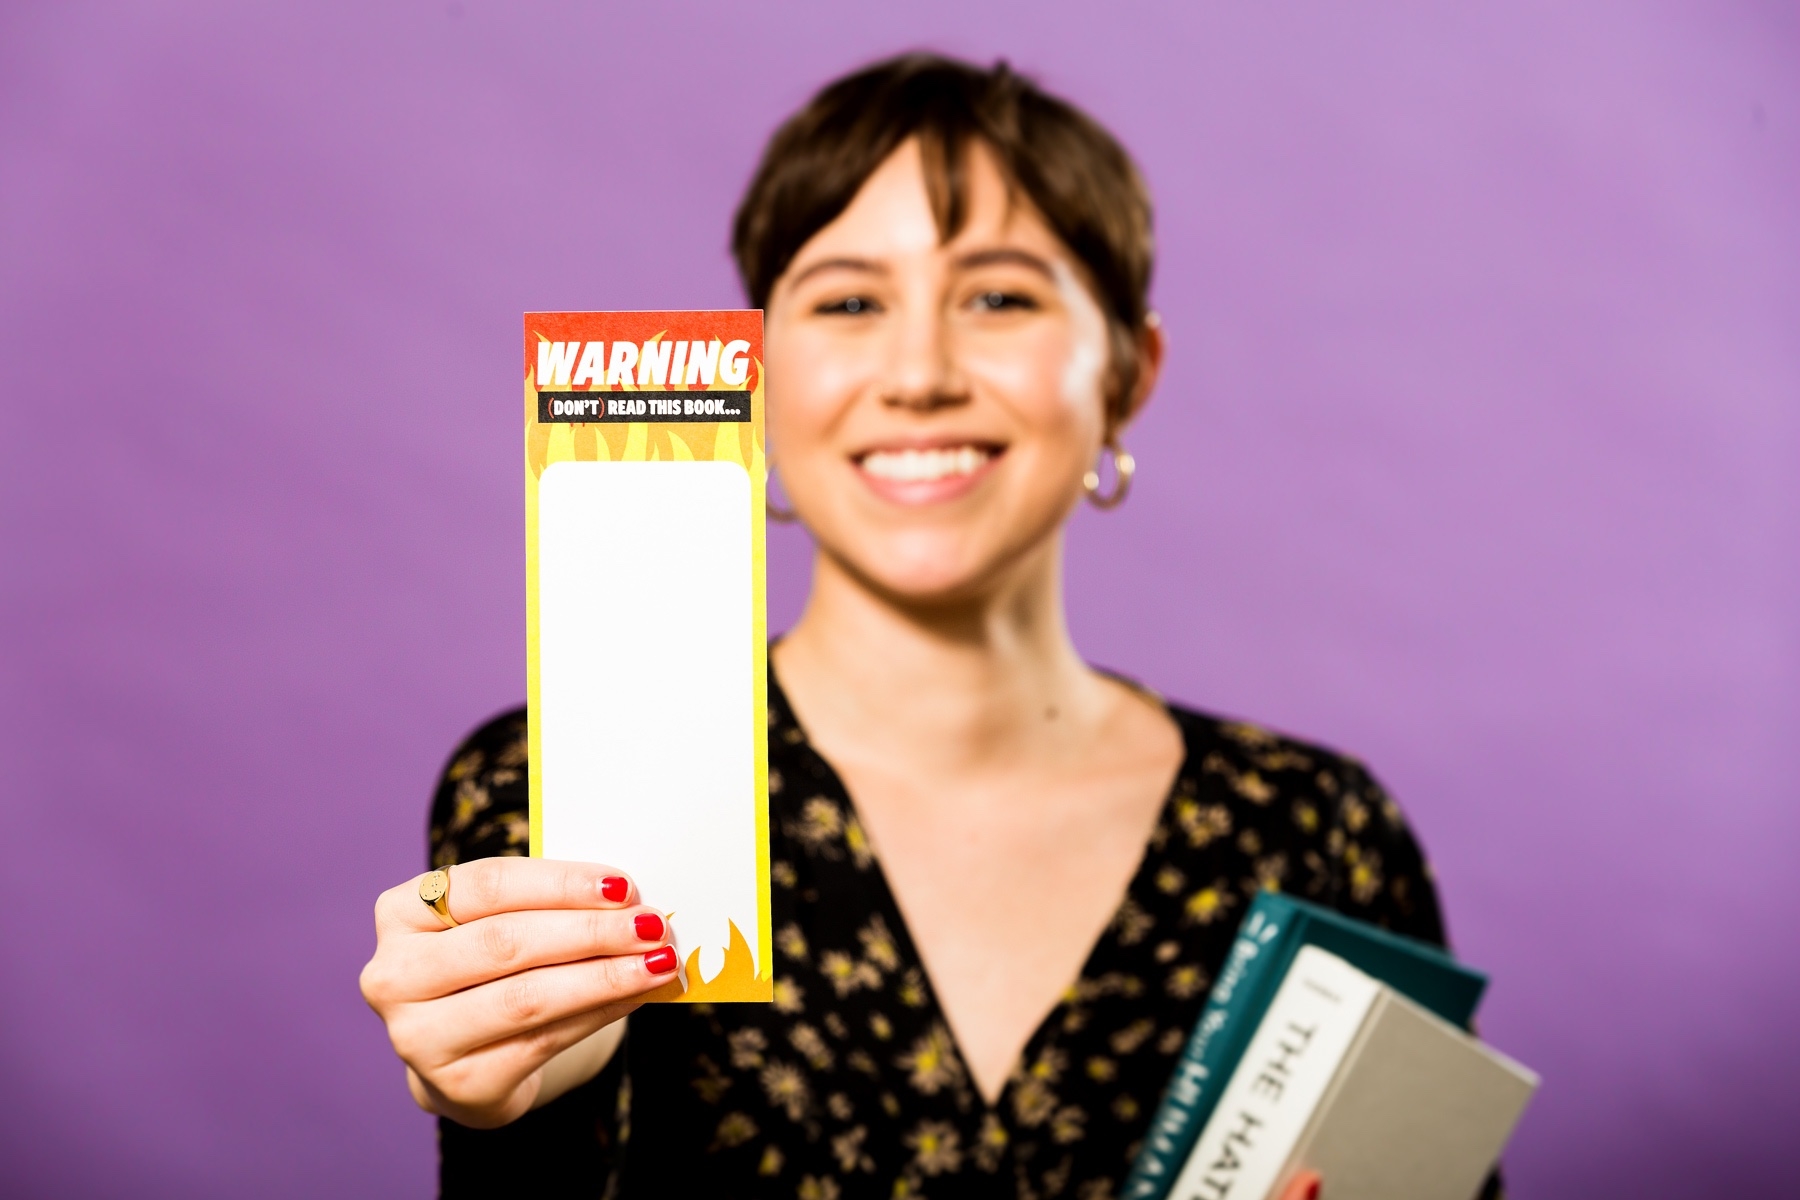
1045, 1032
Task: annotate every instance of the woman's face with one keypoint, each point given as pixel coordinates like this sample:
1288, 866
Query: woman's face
933, 405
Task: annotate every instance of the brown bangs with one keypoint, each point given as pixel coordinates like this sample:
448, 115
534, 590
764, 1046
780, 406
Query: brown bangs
1074, 173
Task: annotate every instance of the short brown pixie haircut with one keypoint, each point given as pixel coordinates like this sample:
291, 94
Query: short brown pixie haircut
1076, 175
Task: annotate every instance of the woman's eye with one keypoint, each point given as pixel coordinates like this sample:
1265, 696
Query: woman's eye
851, 305
1002, 301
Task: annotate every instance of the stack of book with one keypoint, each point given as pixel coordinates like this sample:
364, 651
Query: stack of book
1330, 1045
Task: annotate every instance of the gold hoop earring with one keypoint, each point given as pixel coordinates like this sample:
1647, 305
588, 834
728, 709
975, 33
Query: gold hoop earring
785, 516
1124, 467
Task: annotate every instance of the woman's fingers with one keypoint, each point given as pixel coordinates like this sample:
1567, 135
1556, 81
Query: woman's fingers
495, 885
476, 952
1304, 1186
543, 955
436, 1032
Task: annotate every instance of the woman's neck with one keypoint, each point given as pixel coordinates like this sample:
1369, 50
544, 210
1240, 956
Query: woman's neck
954, 689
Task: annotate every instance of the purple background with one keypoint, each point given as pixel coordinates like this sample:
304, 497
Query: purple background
1476, 454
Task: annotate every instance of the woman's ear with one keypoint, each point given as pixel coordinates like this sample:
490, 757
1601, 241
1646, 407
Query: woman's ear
1149, 350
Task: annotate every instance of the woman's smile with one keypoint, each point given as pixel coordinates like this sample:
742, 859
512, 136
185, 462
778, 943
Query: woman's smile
933, 472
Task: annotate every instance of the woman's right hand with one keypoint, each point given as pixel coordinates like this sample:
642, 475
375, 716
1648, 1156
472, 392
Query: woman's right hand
546, 955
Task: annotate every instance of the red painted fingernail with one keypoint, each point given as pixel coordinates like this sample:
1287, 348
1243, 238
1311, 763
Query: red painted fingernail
649, 927
660, 962
615, 888
1312, 1190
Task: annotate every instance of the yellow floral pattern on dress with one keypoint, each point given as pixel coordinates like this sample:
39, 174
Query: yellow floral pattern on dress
851, 1083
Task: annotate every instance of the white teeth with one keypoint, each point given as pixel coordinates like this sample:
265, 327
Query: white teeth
922, 466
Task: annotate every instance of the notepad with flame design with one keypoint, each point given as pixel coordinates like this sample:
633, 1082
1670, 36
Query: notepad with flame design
646, 625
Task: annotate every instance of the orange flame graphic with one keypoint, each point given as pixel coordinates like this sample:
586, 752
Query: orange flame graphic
736, 981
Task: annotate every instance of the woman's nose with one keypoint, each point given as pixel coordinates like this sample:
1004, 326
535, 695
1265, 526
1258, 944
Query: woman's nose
922, 373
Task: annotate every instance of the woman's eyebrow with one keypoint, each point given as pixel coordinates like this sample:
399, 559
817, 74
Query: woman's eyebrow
839, 264
1019, 258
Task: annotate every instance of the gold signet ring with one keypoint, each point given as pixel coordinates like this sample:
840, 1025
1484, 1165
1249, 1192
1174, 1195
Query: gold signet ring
434, 890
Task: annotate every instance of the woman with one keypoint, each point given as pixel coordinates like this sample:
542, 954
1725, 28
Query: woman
987, 960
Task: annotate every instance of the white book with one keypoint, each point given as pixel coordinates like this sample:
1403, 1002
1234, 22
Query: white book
1348, 1077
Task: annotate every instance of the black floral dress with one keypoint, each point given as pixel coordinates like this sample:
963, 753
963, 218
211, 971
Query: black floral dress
850, 1084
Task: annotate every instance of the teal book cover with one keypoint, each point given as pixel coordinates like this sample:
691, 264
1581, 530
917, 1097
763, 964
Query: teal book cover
1272, 933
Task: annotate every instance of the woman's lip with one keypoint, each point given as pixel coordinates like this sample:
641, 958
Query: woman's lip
917, 492
946, 442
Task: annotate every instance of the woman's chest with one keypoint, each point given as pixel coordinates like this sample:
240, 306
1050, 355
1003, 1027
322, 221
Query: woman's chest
1005, 890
